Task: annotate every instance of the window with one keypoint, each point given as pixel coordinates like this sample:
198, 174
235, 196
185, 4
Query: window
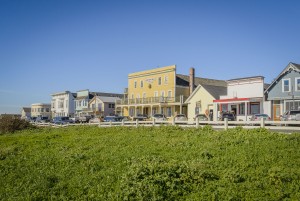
198, 107
166, 79
254, 108
169, 111
242, 108
135, 84
111, 105
42, 109
286, 85
297, 84
47, 110
292, 105
142, 84
159, 81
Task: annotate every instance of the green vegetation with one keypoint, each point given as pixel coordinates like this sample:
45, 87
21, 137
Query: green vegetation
153, 163
9, 124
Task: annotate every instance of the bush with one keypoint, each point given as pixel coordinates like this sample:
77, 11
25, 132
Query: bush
10, 124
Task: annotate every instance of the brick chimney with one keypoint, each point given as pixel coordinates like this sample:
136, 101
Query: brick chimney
192, 79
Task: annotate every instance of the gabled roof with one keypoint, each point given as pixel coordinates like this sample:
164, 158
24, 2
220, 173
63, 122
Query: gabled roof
214, 91
105, 99
26, 109
291, 66
183, 80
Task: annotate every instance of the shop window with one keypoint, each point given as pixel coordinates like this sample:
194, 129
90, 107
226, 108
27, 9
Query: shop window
254, 108
242, 108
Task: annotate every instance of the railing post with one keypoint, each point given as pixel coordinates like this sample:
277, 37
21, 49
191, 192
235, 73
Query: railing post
173, 121
262, 122
122, 122
153, 122
197, 122
226, 123
110, 123
136, 123
99, 125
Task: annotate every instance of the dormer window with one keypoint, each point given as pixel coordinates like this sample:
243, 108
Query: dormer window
286, 85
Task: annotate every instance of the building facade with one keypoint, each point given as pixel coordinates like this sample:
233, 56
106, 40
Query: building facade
201, 100
25, 113
62, 104
284, 91
102, 106
41, 110
245, 97
152, 92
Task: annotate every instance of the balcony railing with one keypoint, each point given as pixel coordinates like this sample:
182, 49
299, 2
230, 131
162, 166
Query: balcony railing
150, 100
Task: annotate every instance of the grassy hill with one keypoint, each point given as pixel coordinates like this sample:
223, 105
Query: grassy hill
165, 163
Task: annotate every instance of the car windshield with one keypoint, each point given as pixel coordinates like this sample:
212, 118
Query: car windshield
295, 112
227, 115
65, 118
158, 115
261, 115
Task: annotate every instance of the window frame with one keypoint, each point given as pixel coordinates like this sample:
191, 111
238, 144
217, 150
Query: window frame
296, 87
287, 79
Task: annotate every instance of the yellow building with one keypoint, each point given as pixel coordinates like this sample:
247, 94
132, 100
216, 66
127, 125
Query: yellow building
156, 91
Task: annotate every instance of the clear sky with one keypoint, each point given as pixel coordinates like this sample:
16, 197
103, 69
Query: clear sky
49, 46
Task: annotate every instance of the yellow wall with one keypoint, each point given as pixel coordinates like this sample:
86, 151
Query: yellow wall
206, 102
150, 82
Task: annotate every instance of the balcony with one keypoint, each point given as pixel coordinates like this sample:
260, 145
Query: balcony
150, 100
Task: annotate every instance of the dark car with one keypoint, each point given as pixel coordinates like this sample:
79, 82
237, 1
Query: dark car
61, 120
140, 117
159, 117
229, 116
112, 119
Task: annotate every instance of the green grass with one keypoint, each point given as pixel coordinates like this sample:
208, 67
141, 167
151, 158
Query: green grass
165, 163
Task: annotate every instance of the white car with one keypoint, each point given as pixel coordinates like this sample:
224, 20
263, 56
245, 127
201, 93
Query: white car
181, 117
159, 117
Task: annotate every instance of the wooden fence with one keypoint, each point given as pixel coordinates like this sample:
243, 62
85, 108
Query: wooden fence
272, 125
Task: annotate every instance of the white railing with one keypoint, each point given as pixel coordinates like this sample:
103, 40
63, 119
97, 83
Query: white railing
272, 125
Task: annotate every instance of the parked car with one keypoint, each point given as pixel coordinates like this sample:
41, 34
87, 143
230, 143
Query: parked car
112, 119
201, 117
258, 117
32, 119
62, 120
229, 116
181, 117
42, 120
291, 115
84, 119
75, 119
125, 118
159, 117
140, 117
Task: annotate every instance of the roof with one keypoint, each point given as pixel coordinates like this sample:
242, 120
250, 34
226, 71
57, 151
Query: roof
183, 80
106, 99
214, 91
26, 109
289, 67
247, 78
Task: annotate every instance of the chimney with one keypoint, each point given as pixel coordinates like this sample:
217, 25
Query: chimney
192, 79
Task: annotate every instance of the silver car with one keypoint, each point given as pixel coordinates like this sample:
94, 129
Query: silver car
291, 115
181, 117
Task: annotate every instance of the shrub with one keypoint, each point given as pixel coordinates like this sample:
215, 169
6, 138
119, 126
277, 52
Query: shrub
10, 124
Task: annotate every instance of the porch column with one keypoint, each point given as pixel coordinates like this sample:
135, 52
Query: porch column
246, 110
142, 109
215, 112
181, 100
151, 110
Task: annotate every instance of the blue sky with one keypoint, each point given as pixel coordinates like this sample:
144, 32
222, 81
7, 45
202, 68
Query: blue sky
48, 46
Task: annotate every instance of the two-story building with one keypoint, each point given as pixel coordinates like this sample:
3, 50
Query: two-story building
62, 104
284, 91
41, 110
103, 105
245, 97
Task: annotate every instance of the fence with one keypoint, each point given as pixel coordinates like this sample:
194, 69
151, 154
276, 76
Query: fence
272, 125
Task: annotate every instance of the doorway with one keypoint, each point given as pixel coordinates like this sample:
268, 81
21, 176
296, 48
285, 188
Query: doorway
276, 112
